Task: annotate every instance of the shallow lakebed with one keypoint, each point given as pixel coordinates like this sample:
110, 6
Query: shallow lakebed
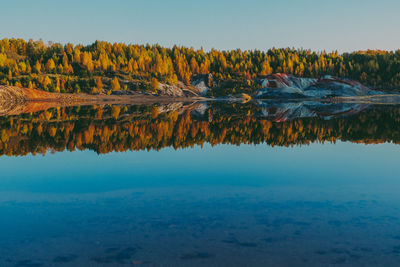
205, 184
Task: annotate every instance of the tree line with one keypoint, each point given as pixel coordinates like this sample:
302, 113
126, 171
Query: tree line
104, 67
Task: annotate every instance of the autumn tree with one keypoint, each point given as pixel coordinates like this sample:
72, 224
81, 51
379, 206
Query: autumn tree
115, 84
98, 87
50, 65
57, 88
46, 82
38, 67
154, 84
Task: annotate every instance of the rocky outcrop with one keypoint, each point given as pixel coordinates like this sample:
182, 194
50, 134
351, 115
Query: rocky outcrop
288, 86
170, 90
201, 82
178, 90
197, 87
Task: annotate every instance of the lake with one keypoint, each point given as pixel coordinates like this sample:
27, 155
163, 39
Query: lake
201, 184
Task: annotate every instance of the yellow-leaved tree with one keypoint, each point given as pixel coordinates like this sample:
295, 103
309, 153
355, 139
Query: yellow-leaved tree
50, 65
154, 84
115, 84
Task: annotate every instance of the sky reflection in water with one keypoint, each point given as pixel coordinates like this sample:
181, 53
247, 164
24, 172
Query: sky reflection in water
317, 205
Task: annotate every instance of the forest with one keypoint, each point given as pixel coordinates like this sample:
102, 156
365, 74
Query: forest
105, 68
104, 129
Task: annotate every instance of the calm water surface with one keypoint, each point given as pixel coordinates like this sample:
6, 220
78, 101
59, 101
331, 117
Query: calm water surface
330, 204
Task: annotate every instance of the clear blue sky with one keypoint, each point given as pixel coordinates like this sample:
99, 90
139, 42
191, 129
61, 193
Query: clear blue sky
222, 24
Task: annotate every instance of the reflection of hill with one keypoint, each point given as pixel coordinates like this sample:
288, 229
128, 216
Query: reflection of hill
120, 128
283, 111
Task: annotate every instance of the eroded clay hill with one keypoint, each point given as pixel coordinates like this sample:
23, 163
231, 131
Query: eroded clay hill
16, 100
19, 94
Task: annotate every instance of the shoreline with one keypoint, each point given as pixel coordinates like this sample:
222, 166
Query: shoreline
17, 100
126, 99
